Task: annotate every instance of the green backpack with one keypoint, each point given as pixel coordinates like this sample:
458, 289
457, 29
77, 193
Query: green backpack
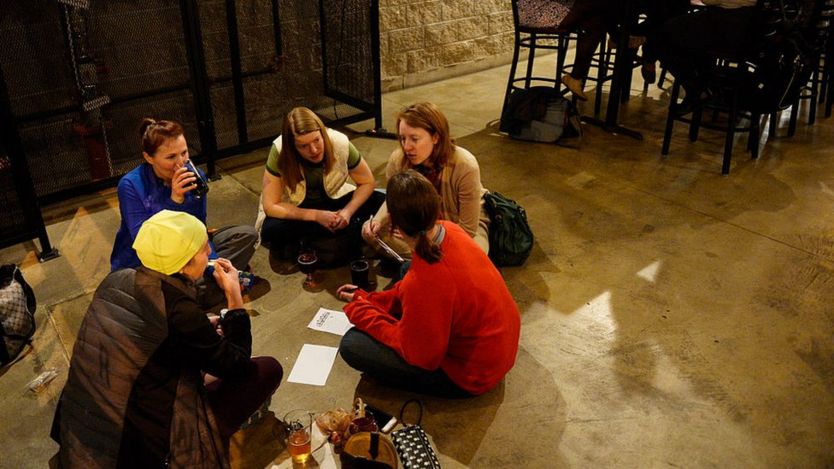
510, 236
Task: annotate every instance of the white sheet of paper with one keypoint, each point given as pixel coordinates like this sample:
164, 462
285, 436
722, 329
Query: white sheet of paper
313, 365
332, 321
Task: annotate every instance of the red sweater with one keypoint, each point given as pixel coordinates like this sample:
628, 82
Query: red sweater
457, 315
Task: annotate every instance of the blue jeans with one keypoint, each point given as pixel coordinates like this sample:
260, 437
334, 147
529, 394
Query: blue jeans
366, 354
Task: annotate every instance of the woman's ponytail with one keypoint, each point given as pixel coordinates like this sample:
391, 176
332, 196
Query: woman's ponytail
426, 249
414, 206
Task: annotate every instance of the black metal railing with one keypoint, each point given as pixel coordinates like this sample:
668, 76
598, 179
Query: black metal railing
79, 76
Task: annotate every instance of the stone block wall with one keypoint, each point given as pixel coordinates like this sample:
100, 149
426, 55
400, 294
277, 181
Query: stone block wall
425, 41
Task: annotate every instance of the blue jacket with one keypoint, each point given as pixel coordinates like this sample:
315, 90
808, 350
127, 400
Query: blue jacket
141, 195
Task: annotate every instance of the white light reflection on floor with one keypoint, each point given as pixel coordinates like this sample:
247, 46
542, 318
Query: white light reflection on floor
650, 271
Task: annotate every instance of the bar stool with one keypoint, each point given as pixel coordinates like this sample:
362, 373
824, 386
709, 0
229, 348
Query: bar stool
740, 90
827, 82
729, 76
537, 27
818, 34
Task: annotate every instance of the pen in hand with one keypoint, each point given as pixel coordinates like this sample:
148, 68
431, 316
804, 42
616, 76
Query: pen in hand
391, 252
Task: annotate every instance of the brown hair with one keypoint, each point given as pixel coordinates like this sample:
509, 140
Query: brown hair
153, 133
414, 207
300, 121
427, 116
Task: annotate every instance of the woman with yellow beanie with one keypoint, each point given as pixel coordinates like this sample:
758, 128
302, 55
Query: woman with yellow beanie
135, 395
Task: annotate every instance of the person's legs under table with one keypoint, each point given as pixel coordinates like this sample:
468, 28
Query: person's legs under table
592, 18
689, 44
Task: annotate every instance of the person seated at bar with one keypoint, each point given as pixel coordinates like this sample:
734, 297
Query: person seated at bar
427, 147
592, 18
450, 327
658, 12
306, 193
164, 182
135, 394
690, 43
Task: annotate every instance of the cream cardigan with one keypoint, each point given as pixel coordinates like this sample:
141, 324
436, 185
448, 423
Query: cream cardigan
461, 197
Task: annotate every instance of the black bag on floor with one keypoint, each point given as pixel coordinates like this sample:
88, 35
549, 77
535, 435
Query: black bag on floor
412, 443
540, 114
510, 236
17, 313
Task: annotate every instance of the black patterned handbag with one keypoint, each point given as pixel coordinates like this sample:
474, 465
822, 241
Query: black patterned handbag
17, 313
413, 444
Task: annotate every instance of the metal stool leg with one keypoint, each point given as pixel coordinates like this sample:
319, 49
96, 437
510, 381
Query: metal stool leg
513, 67
731, 134
670, 118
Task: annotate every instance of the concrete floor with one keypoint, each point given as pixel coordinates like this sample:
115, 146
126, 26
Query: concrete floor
670, 316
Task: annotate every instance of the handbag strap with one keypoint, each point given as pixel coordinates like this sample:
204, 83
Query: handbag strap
4, 352
358, 408
419, 415
374, 449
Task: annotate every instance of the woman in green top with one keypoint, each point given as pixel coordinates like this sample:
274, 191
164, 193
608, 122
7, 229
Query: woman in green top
306, 193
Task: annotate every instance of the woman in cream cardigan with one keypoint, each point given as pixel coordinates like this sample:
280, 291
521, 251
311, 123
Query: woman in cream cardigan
427, 147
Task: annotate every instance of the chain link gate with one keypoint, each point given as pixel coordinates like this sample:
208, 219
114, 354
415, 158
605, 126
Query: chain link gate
80, 74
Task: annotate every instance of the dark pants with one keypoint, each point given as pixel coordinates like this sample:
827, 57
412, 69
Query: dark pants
366, 354
232, 402
593, 18
690, 43
282, 235
658, 12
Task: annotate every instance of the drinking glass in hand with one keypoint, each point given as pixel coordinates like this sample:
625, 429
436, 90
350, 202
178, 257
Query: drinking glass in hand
307, 264
200, 185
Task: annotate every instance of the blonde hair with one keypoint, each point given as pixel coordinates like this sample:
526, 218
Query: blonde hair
297, 122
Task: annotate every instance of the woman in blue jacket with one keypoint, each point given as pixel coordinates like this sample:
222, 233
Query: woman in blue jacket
163, 182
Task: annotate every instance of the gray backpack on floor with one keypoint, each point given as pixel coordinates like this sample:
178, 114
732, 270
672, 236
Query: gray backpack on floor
17, 313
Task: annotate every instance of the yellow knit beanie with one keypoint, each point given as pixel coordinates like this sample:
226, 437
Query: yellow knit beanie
168, 240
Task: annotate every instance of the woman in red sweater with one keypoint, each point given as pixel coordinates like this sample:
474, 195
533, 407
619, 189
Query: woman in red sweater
450, 327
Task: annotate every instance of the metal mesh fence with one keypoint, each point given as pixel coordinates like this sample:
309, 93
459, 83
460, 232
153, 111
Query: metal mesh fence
12, 220
271, 83
34, 57
131, 57
348, 59
139, 46
55, 153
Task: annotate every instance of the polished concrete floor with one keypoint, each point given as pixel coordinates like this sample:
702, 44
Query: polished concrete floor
671, 317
